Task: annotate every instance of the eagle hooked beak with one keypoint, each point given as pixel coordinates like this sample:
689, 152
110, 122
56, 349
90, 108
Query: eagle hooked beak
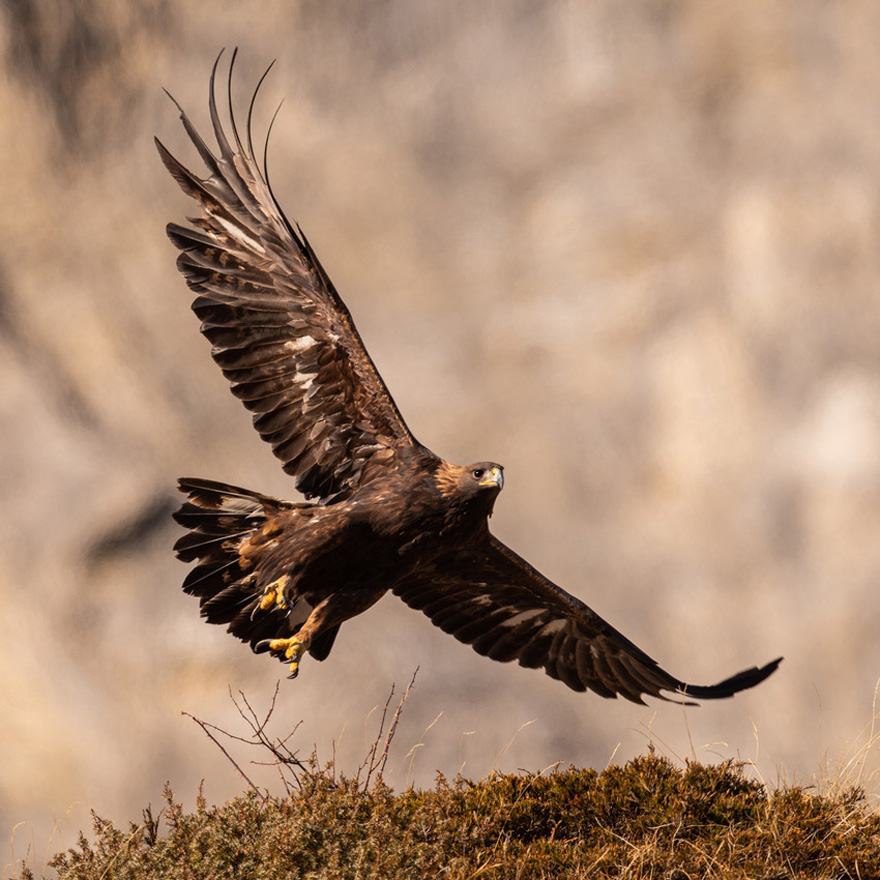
495, 477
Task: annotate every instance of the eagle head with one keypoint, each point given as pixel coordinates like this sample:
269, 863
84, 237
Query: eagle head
471, 484
486, 475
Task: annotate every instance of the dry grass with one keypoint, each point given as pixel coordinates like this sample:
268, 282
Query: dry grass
650, 818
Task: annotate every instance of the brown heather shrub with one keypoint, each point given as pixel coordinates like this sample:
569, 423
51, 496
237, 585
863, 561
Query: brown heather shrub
648, 818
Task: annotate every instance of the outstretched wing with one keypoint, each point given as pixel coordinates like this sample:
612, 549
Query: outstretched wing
490, 598
280, 332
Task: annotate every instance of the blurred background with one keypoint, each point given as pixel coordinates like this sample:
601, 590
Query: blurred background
628, 250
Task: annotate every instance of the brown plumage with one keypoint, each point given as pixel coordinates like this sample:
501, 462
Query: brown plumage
382, 511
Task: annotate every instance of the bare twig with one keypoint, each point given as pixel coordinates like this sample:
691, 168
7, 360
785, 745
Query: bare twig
291, 770
205, 727
395, 721
283, 759
375, 761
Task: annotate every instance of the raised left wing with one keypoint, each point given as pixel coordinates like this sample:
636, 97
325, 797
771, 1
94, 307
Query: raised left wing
280, 332
490, 598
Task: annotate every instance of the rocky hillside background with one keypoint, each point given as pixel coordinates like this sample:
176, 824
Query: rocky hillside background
631, 251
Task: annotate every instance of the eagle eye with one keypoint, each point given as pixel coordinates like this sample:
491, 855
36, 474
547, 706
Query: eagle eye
478, 473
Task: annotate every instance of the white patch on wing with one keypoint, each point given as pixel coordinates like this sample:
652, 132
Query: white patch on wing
238, 234
300, 344
483, 600
523, 617
304, 380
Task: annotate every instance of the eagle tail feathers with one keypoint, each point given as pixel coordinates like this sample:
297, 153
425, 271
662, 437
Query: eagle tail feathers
221, 520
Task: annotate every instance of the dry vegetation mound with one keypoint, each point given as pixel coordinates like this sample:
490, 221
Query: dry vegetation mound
648, 818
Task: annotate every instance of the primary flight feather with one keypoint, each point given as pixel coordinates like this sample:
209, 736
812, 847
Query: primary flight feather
383, 512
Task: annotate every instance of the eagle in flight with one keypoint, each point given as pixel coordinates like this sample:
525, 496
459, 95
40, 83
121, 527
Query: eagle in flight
382, 512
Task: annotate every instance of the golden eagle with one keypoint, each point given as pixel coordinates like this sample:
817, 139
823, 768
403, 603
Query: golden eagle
383, 512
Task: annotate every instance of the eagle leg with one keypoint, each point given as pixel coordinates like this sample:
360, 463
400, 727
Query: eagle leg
327, 614
274, 594
293, 647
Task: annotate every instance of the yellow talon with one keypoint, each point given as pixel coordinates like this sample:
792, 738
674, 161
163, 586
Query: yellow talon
291, 648
274, 593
